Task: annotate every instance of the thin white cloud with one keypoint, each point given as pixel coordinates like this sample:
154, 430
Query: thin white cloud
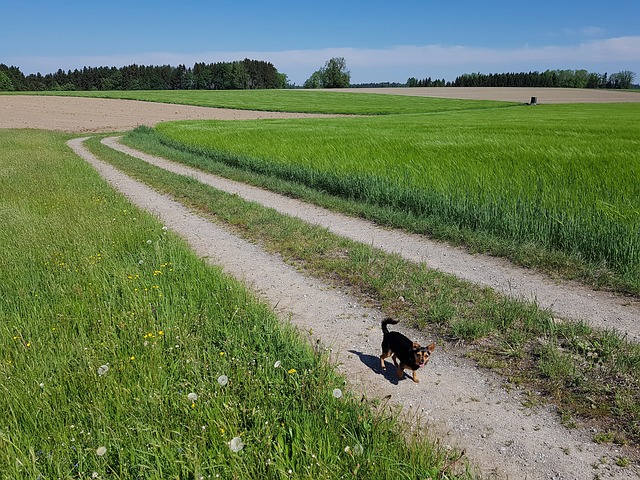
592, 31
299, 64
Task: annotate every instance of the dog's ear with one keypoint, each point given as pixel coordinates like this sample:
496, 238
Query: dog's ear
431, 347
416, 346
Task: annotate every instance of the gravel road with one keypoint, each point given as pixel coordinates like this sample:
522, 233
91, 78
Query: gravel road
464, 407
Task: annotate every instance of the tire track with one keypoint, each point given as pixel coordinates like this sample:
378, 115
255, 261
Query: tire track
463, 407
566, 299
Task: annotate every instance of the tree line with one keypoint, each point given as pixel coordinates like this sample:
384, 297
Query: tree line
238, 75
548, 78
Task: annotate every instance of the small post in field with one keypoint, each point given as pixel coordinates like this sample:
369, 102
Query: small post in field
534, 101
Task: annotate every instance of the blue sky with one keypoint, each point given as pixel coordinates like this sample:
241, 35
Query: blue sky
381, 40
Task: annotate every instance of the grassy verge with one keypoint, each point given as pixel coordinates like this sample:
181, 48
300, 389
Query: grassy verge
592, 375
122, 355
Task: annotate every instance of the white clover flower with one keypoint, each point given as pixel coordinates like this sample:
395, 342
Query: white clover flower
100, 451
337, 393
236, 444
140, 262
103, 369
149, 242
192, 397
277, 364
41, 385
223, 380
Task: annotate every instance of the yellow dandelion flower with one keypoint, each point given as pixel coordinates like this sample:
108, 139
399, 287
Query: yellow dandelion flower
292, 371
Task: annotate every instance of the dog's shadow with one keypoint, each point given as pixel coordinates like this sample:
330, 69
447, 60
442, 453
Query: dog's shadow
373, 362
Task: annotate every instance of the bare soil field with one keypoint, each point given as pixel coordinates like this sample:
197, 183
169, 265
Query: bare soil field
512, 94
463, 406
93, 115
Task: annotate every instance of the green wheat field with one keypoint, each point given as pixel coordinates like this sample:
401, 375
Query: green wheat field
557, 179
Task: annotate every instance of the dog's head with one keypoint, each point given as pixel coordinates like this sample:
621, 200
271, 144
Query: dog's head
422, 354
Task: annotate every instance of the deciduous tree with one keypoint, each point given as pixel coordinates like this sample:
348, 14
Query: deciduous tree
334, 74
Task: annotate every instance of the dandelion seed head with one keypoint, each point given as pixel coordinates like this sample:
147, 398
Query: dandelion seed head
149, 242
337, 393
192, 397
277, 364
358, 449
223, 380
100, 451
103, 369
236, 444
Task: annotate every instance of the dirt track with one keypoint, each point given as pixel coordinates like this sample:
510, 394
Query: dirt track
465, 407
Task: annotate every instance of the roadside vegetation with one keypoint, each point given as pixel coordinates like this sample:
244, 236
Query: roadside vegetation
593, 376
123, 355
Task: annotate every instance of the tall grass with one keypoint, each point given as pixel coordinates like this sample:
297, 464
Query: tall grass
122, 355
565, 177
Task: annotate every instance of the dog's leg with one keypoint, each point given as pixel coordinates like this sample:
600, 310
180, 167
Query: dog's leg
415, 377
400, 371
385, 354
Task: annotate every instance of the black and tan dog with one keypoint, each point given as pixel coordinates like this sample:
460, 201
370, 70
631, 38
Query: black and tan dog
406, 354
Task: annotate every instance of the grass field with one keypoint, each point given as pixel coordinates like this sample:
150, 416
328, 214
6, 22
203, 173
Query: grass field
304, 101
575, 365
561, 180
122, 355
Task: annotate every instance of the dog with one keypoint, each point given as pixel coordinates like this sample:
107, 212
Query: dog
406, 354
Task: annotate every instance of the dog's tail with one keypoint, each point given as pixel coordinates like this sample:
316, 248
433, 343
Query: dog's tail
386, 322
